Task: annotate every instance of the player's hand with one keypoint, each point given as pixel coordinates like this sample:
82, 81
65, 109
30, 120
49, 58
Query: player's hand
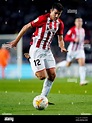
76, 39
9, 45
86, 41
63, 49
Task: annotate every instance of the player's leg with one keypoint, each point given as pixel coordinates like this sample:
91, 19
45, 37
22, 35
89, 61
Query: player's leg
36, 59
69, 58
48, 83
51, 73
41, 74
65, 63
44, 69
38, 67
82, 71
40, 61
37, 64
61, 64
82, 68
49, 76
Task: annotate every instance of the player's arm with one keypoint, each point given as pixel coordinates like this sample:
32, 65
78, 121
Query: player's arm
31, 24
68, 37
37, 22
60, 37
61, 43
22, 31
86, 40
20, 34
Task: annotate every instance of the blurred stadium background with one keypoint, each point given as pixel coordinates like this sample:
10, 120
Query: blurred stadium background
16, 13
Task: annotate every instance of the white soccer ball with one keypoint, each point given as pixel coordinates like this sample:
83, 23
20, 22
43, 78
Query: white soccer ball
40, 102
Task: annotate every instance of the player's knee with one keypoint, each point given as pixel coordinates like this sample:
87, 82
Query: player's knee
51, 77
41, 76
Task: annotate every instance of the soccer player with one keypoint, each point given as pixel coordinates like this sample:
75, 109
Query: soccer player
42, 60
76, 37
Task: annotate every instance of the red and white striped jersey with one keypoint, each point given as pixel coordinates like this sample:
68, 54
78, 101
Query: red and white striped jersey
45, 30
72, 34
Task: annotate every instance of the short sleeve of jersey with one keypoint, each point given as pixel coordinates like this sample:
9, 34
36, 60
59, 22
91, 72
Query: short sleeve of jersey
69, 32
38, 21
61, 28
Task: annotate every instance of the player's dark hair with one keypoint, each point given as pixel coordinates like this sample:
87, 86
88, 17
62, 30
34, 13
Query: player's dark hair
77, 17
58, 6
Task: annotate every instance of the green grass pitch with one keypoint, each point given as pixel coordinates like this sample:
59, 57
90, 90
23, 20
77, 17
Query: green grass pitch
70, 98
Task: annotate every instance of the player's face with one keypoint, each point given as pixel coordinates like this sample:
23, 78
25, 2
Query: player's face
55, 14
78, 22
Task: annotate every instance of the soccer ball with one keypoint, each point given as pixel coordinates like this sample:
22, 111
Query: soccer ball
40, 102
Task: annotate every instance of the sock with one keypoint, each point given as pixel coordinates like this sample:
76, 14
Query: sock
61, 64
82, 73
46, 87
